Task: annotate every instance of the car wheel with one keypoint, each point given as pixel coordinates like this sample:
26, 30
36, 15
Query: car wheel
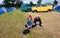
49, 10
28, 10
34, 11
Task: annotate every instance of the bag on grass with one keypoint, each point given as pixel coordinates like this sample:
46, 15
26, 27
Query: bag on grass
26, 31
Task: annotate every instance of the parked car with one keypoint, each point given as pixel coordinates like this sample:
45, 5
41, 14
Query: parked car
25, 7
42, 7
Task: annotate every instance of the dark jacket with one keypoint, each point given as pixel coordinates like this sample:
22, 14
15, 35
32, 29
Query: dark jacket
37, 19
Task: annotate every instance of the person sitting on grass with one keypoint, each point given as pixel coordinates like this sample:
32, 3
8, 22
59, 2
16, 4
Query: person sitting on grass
37, 21
29, 22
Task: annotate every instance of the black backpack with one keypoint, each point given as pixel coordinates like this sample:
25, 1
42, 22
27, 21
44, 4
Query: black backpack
26, 31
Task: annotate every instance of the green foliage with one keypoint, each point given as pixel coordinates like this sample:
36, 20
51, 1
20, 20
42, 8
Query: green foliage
5, 1
19, 2
55, 2
39, 1
13, 3
31, 3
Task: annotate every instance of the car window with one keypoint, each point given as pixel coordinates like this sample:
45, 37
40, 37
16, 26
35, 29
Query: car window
37, 5
27, 5
43, 5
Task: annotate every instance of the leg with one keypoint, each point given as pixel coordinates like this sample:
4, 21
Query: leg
29, 27
40, 25
33, 26
26, 26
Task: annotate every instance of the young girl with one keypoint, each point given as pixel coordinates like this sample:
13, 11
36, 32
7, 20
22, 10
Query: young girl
29, 22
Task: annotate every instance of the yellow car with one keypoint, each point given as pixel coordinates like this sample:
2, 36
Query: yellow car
43, 7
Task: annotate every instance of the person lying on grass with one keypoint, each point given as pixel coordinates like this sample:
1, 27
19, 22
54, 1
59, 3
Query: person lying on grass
37, 21
29, 22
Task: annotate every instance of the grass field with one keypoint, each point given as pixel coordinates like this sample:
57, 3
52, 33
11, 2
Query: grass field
12, 25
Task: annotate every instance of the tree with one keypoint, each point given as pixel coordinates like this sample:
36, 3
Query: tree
39, 1
6, 2
31, 3
13, 2
55, 2
19, 2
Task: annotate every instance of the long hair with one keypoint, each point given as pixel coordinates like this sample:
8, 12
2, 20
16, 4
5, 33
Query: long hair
30, 17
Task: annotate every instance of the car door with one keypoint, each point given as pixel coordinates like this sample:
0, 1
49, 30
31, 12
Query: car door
39, 8
42, 8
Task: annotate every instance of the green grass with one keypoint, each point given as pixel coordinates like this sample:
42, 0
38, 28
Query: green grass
12, 26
